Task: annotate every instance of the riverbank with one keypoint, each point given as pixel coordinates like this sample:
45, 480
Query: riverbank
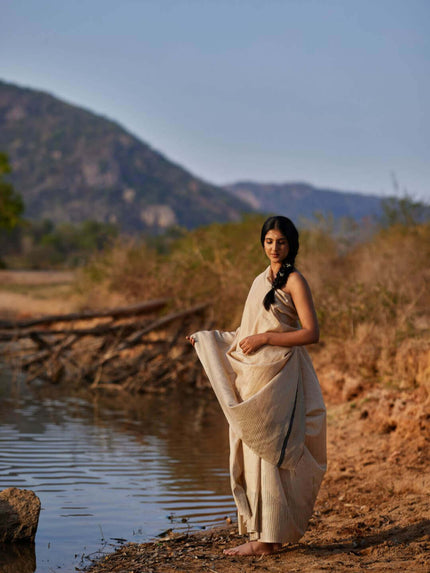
372, 512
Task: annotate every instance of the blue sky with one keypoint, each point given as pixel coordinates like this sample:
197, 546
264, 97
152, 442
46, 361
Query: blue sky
332, 92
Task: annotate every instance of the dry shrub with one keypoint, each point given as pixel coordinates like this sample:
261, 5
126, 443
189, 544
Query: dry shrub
412, 364
383, 281
122, 275
373, 302
215, 264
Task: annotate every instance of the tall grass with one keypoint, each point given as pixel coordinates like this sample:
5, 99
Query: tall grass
372, 300
374, 307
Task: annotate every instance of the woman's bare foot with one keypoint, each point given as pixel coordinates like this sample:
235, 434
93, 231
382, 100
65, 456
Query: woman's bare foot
254, 548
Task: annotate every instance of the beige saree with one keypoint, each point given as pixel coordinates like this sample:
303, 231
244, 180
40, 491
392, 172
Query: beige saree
274, 406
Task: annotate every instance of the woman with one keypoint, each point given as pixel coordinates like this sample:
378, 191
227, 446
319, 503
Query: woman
267, 387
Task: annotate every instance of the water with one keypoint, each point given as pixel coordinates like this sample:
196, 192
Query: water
110, 469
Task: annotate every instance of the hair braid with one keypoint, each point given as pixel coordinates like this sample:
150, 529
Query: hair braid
279, 282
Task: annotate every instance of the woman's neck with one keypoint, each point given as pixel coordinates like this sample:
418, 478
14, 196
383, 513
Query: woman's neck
274, 268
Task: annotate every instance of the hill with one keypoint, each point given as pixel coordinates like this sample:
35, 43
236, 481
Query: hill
70, 164
302, 201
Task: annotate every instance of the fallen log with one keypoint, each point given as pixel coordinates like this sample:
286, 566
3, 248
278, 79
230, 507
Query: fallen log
121, 312
128, 352
99, 330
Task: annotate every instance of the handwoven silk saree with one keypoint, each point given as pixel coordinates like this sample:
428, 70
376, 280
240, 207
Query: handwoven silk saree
273, 403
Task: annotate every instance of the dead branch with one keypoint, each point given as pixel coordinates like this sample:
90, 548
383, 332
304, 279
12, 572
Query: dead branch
162, 322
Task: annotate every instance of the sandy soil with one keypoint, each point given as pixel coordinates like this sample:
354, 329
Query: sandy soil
372, 514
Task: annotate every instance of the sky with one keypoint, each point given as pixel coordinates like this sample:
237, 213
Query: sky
335, 93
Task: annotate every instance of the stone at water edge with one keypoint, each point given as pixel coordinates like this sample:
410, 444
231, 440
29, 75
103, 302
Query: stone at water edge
19, 515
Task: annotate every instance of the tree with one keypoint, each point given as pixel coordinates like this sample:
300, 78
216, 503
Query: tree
11, 203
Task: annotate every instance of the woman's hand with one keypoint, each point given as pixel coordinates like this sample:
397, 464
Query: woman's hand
252, 343
191, 340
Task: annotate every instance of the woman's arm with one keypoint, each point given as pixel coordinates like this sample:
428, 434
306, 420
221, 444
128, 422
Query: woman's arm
299, 290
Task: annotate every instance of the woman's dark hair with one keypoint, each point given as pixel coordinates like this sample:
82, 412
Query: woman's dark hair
288, 229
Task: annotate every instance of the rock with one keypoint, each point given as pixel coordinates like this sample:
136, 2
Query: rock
19, 515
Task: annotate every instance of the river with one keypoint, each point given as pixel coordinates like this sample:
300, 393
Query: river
109, 469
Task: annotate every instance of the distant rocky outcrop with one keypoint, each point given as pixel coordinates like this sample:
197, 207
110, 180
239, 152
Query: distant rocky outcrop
19, 515
70, 165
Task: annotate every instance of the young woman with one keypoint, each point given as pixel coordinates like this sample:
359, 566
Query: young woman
267, 387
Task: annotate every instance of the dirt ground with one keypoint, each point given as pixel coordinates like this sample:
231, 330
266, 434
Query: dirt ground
372, 513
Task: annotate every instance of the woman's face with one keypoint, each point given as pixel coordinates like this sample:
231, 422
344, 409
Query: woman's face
275, 246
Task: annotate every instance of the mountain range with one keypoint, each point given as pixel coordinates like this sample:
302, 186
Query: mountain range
304, 201
70, 164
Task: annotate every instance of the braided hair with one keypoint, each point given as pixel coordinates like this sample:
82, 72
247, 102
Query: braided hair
288, 229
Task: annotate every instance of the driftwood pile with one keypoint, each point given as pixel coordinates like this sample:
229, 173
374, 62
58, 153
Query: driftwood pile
136, 348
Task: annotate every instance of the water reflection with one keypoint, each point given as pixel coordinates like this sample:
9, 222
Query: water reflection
18, 558
112, 467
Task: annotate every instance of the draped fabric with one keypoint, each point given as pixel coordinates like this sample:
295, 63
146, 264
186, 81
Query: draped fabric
276, 414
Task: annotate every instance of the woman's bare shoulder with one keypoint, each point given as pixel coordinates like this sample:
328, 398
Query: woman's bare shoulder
296, 281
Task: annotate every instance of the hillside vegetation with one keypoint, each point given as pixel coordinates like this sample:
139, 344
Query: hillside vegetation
372, 298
